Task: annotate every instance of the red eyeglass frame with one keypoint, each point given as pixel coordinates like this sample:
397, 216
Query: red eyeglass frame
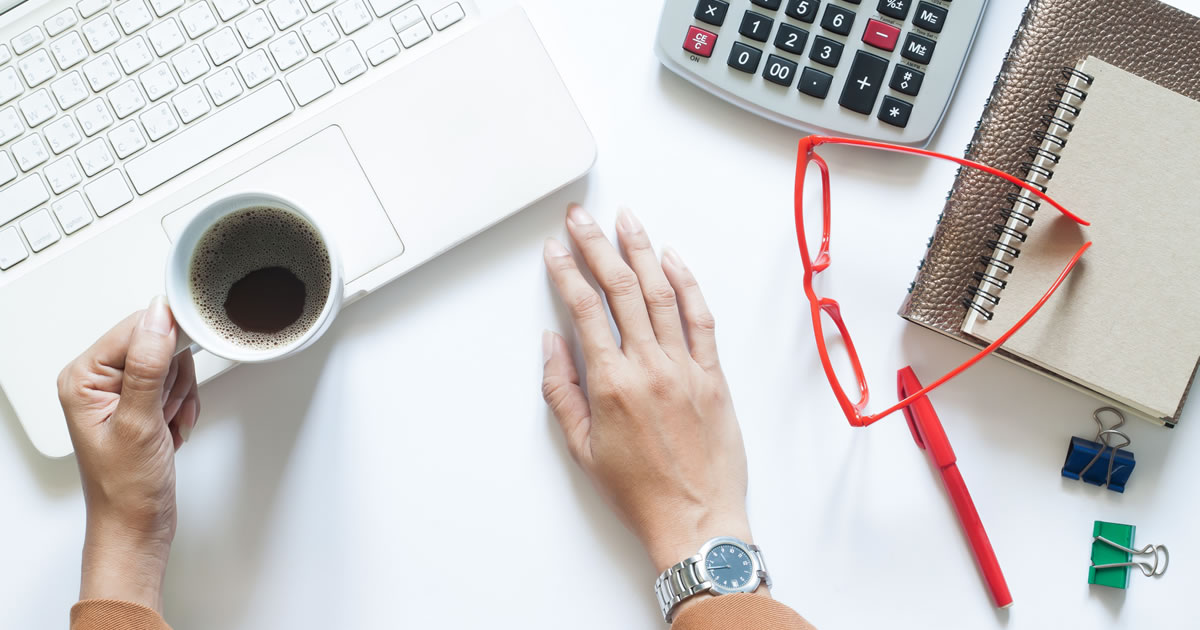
854, 410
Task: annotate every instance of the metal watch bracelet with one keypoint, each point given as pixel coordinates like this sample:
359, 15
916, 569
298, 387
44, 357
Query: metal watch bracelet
684, 579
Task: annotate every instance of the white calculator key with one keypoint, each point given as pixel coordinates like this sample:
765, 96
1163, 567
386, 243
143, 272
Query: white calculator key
10, 124
5, 54
40, 230
346, 62
319, 33
447, 16
352, 15
22, 197
126, 99
101, 32
310, 82
108, 193
25, 42
68, 50
406, 18
127, 139
191, 104
255, 68
229, 9
69, 91
10, 84
101, 72
93, 117
222, 46
163, 7
72, 212
159, 122
286, 12
88, 8
317, 5
255, 28
197, 19
383, 51
190, 64
287, 50
8, 170
62, 174
62, 134
165, 37
60, 22
415, 34
37, 108
384, 7
12, 250
30, 152
223, 86
158, 81
132, 15
37, 68
134, 55
94, 157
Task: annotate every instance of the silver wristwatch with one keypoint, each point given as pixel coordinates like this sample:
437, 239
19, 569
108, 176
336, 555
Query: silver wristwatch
724, 565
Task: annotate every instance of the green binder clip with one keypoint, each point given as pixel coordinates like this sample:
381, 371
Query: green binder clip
1113, 552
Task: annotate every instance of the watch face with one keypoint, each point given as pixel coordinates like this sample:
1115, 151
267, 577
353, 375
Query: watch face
729, 566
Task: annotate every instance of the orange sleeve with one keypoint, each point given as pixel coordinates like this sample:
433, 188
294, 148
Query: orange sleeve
110, 614
740, 611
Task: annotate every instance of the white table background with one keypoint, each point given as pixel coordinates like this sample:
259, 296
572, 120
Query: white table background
405, 473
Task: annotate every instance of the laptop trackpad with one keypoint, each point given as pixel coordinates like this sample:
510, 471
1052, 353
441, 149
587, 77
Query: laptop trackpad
322, 175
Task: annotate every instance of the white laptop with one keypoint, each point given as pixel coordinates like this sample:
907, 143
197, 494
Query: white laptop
407, 125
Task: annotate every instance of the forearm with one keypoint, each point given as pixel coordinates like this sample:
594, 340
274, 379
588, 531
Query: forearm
121, 566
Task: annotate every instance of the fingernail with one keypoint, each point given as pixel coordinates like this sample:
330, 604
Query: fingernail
547, 346
577, 215
627, 222
185, 431
672, 258
157, 317
554, 249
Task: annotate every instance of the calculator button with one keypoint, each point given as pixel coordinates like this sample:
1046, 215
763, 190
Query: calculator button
895, 8
863, 82
779, 70
712, 11
767, 4
791, 38
837, 20
699, 41
744, 57
917, 48
756, 26
813, 82
929, 17
826, 51
907, 80
895, 111
881, 35
803, 10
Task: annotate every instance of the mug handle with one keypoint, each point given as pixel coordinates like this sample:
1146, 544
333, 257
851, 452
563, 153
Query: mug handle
185, 342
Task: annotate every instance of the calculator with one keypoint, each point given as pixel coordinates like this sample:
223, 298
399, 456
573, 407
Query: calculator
876, 69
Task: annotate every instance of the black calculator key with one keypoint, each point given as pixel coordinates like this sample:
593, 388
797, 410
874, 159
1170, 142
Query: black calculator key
907, 80
779, 70
930, 17
744, 57
826, 51
791, 38
837, 20
894, 111
803, 10
712, 11
813, 82
895, 8
918, 49
768, 4
863, 82
756, 26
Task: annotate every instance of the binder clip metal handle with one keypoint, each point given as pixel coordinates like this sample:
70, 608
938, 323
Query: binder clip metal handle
1147, 569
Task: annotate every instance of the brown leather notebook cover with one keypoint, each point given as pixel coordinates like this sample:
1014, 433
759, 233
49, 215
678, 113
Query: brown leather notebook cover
1145, 37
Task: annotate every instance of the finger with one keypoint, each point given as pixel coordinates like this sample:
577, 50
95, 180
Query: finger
587, 309
656, 291
619, 282
147, 364
185, 382
188, 416
698, 321
560, 388
169, 384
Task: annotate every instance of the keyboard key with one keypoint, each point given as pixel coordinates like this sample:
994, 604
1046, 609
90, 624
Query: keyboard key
94, 157
791, 38
256, 68
62, 174
191, 104
711, 11
126, 139
699, 41
287, 13
101, 32
907, 80
108, 193
767, 4
198, 19
37, 108
126, 99
826, 51
209, 137
352, 15
159, 122
756, 26
383, 51
40, 230
319, 33
37, 68
166, 37
163, 7
837, 20
61, 135
744, 57
134, 55
10, 84
93, 117
803, 10
101, 72
229, 9
255, 28
881, 35
895, 8
929, 17
223, 86
8, 170
10, 124
917, 48
346, 62
132, 15
779, 70
222, 46
60, 22
158, 81
68, 50
384, 7
5, 54
287, 50
415, 34
22, 197
69, 91
190, 64
407, 18
12, 250
25, 42
895, 111
863, 82
88, 8
72, 212
447, 17
813, 82
310, 82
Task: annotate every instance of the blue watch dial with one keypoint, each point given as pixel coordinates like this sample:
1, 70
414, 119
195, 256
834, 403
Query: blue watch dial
729, 566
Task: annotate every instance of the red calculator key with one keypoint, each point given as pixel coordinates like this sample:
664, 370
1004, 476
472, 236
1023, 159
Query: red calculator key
881, 35
700, 42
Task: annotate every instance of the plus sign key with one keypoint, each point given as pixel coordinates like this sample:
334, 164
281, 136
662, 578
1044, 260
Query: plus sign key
700, 42
863, 82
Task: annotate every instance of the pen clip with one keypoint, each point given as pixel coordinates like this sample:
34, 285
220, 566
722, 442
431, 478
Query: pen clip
923, 421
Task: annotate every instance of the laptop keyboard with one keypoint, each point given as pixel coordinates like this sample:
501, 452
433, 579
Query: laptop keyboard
103, 103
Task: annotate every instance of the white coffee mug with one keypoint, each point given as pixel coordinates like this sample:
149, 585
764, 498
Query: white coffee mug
195, 332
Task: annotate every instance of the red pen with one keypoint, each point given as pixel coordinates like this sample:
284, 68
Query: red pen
930, 436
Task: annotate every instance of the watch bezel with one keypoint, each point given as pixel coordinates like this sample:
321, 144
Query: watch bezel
716, 589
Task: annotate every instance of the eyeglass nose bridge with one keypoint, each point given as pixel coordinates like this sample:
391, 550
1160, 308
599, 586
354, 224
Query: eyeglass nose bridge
853, 410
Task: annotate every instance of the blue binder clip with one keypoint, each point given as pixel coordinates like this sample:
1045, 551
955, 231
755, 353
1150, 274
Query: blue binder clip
1100, 462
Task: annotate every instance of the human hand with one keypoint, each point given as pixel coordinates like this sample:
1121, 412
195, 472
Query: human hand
656, 430
129, 406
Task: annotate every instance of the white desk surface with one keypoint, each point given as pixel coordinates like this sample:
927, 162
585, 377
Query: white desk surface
405, 473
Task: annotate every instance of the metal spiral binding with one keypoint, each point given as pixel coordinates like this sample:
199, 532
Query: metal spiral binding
1018, 215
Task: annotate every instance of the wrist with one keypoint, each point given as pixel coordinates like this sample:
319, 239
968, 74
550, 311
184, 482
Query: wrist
123, 565
683, 539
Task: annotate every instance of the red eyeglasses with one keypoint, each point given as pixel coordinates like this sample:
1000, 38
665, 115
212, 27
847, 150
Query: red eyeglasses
854, 410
